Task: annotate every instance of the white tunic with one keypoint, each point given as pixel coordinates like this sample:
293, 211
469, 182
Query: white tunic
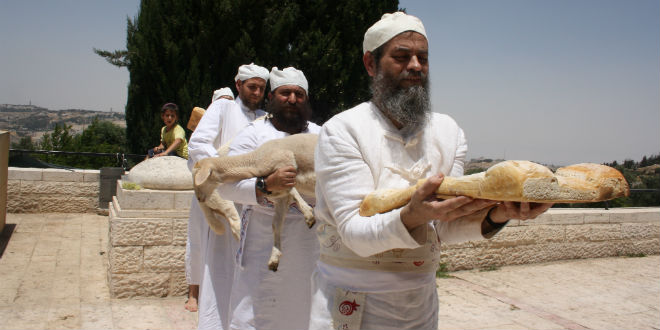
261, 298
358, 152
209, 257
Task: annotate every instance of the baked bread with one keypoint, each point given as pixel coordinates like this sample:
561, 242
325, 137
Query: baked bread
195, 116
518, 181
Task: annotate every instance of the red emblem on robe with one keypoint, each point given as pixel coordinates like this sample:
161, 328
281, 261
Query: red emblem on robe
347, 307
418, 263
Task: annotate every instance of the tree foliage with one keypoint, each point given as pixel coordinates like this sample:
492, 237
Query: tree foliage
98, 137
180, 51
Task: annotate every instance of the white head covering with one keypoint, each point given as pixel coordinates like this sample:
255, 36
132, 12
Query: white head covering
247, 71
389, 26
287, 76
222, 92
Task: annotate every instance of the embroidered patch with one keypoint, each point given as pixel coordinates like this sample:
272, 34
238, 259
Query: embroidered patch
348, 309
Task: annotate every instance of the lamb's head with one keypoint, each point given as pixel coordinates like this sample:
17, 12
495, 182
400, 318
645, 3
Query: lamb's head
204, 180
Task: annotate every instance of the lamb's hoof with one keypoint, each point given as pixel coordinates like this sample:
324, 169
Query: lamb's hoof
274, 260
310, 222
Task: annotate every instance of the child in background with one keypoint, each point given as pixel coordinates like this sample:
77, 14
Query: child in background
172, 136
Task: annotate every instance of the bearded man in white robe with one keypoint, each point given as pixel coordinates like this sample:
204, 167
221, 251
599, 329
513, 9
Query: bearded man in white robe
261, 298
378, 272
210, 257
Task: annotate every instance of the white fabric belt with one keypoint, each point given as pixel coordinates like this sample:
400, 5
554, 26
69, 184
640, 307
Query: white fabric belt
420, 260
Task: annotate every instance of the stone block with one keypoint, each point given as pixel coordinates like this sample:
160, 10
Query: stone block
140, 231
593, 232
125, 259
22, 203
526, 235
63, 189
183, 199
13, 188
638, 247
179, 231
161, 259
29, 174
648, 215
596, 217
566, 217
145, 199
640, 230
542, 219
91, 175
67, 204
145, 214
629, 215
61, 175
139, 285
179, 285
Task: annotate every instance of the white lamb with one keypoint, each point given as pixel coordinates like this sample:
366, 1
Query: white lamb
295, 150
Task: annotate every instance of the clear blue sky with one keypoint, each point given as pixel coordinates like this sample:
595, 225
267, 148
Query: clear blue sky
561, 81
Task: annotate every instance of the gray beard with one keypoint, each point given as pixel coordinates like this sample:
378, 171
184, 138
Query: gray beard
411, 107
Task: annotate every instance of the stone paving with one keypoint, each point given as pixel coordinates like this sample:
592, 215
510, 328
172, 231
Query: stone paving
53, 275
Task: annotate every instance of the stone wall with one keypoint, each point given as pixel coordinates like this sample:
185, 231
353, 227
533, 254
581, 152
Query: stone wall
562, 234
35, 190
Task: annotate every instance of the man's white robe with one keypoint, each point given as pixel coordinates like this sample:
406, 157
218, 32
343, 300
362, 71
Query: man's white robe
261, 298
209, 257
359, 151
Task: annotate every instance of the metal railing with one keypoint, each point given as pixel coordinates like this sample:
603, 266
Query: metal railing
121, 158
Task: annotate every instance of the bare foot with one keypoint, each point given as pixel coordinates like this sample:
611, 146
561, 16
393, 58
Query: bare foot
193, 294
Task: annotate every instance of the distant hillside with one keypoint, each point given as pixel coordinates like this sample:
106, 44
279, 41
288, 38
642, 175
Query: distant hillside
34, 121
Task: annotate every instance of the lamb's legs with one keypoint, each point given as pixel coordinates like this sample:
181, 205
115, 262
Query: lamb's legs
306, 210
216, 206
281, 210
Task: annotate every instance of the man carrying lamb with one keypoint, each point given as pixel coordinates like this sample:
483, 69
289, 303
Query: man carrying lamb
261, 298
378, 272
210, 257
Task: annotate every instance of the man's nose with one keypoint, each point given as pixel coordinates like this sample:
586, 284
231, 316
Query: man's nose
291, 98
414, 64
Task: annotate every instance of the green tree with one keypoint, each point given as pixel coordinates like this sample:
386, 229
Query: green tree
180, 51
99, 137
24, 143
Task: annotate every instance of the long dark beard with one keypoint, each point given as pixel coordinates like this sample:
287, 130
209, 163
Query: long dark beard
291, 122
410, 106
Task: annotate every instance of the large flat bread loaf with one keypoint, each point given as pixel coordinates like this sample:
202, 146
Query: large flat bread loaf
518, 181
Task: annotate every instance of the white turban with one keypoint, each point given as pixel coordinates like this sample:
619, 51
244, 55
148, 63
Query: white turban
225, 91
288, 76
389, 26
247, 71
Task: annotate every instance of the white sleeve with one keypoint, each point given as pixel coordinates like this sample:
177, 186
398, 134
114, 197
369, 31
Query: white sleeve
241, 192
343, 178
461, 153
202, 139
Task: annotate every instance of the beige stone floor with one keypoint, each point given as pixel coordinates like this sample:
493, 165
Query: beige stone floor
53, 276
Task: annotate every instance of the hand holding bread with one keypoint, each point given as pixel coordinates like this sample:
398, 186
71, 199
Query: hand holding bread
515, 181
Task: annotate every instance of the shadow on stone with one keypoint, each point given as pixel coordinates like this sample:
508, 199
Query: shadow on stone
5, 236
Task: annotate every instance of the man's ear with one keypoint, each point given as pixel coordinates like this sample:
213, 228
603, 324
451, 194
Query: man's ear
369, 63
270, 95
238, 86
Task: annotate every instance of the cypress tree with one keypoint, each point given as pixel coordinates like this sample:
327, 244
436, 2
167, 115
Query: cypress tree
180, 51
